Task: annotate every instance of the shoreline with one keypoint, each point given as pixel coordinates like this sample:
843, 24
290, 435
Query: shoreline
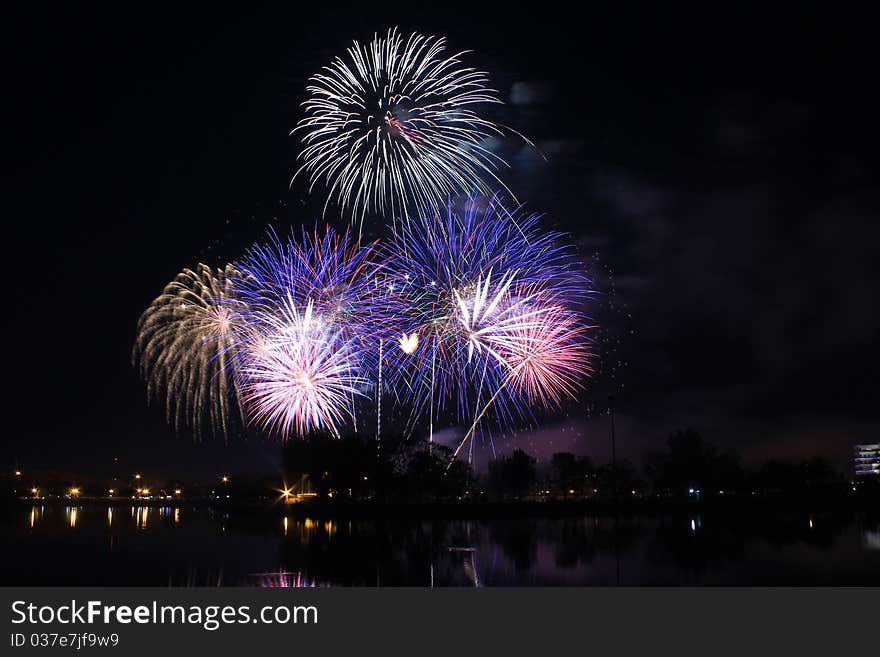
487, 509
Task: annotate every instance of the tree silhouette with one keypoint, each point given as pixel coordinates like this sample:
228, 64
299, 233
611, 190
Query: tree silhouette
689, 462
513, 475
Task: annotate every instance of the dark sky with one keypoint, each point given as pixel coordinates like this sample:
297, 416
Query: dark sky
717, 169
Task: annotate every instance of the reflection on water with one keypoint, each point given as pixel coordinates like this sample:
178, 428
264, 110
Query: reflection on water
468, 564
284, 580
188, 545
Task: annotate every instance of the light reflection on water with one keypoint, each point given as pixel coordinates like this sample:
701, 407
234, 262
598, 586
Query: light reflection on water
284, 580
185, 544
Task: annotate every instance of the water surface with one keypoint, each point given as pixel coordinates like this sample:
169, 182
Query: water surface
93, 544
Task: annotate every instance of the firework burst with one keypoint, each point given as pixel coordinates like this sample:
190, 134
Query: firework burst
305, 342
185, 340
469, 298
393, 127
547, 357
330, 270
296, 374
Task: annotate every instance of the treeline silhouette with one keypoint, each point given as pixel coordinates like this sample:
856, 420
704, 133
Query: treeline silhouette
690, 467
394, 469
413, 470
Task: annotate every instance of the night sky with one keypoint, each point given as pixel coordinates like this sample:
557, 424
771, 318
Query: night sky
717, 171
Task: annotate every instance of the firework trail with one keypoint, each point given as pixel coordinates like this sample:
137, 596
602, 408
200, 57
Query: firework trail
469, 299
393, 127
185, 340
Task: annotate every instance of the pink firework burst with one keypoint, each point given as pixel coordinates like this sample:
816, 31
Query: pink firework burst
548, 356
297, 375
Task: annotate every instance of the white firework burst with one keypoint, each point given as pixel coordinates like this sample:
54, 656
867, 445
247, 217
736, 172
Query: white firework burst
392, 127
296, 374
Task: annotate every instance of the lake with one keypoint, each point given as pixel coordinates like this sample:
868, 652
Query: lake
188, 545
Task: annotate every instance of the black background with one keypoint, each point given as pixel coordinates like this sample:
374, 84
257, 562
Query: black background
716, 168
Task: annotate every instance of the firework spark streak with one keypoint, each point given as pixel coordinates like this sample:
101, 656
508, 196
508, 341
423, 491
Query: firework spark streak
393, 128
184, 342
483, 305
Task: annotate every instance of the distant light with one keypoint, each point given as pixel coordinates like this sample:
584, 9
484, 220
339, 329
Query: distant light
34, 490
177, 491
811, 523
18, 473
111, 491
224, 479
409, 343
137, 476
693, 525
74, 491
